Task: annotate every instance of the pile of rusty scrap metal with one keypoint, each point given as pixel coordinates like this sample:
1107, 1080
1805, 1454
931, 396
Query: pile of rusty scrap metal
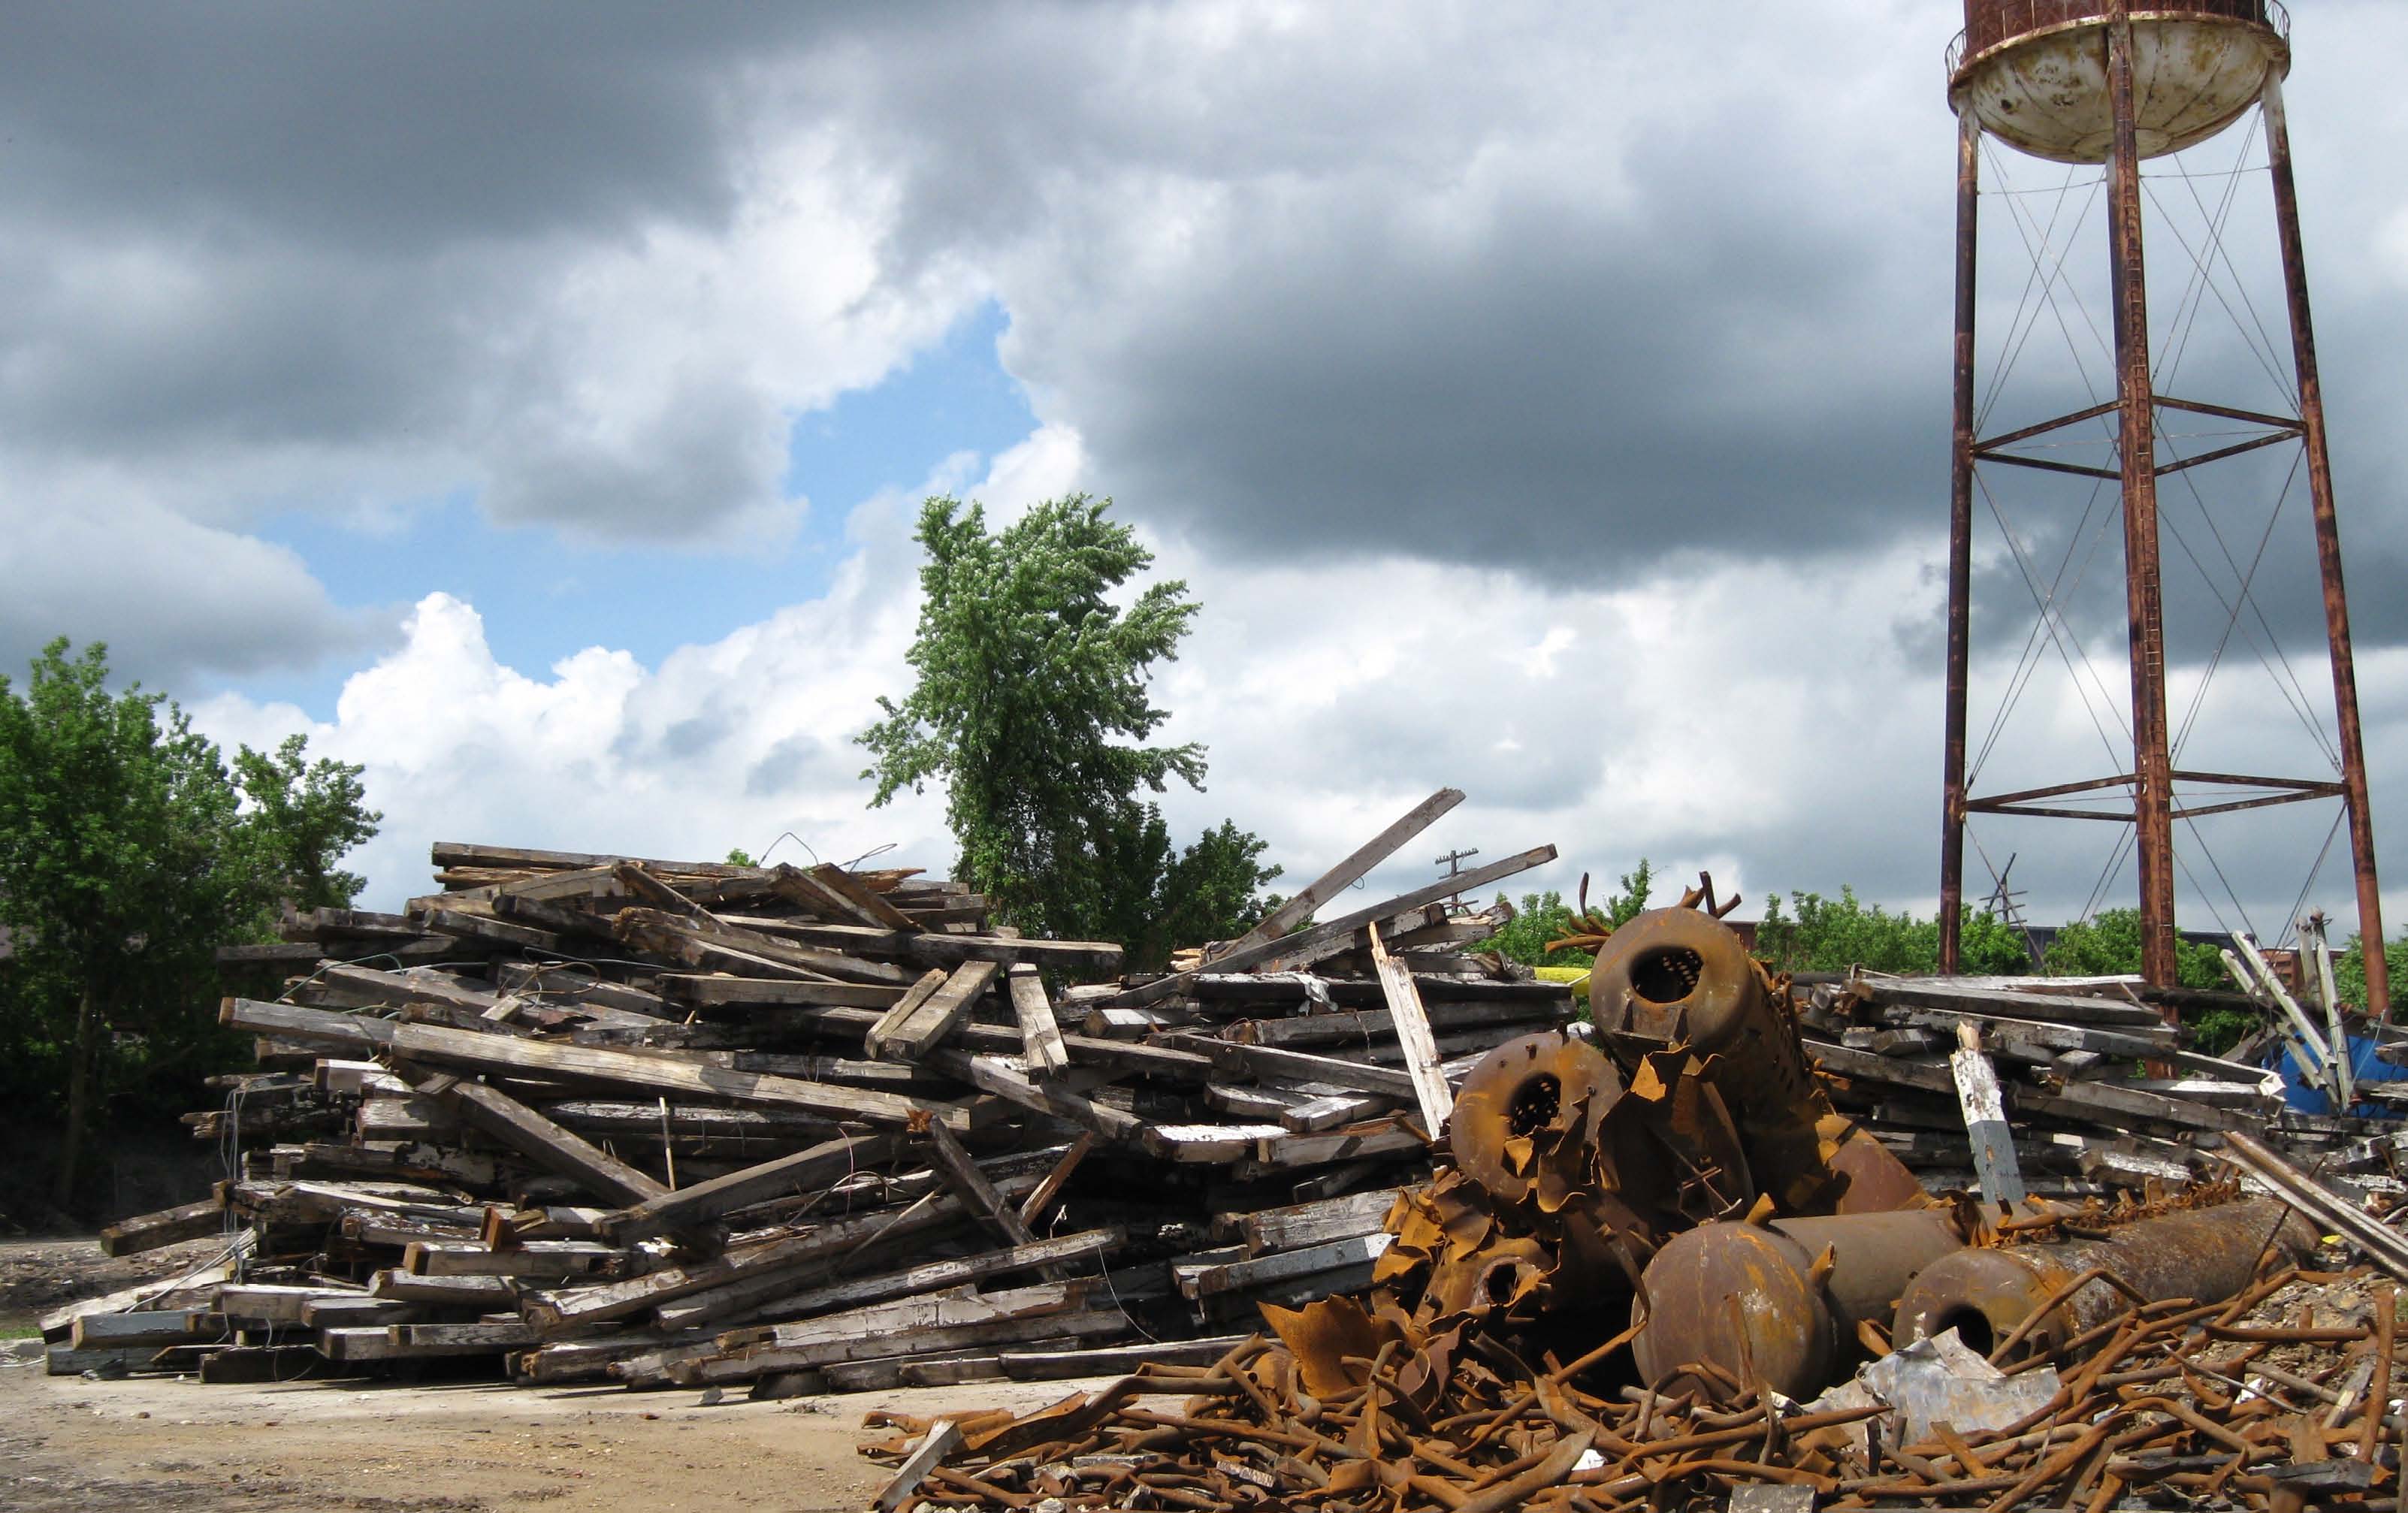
587, 1116
1643, 1252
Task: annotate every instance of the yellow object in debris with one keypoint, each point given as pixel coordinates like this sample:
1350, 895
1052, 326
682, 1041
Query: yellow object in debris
1575, 976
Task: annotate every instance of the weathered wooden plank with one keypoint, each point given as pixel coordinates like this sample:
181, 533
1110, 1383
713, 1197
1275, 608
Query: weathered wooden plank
1289, 1150
147, 1329
1244, 1276
725, 947
1049, 1191
710, 990
1345, 873
962, 1174
804, 1171
459, 1048
357, 1034
942, 1439
1318, 1223
169, 1226
1369, 1027
543, 1142
992, 1073
1342, 927
1330, 1110
1985, 1119
1296, 1066
542, 1259
1941, 992
850, 1240
1115, 1360
1431, 1095
910, 1030
1040, 1034
1300, 952
1033, 1255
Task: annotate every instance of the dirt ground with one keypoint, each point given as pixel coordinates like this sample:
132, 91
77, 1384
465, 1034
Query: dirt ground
162, 1445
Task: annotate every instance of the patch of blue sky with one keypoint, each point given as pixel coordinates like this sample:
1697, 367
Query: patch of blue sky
545, 595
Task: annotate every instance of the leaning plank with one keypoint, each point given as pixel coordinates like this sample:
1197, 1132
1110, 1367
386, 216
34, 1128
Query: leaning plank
1298, 952
962, 1174
1246, 956
1985, 1120
996, 1075
910, 1030
1431, 1095
543, 1142
757, 1298
169, 1226
558, 1312
801, 1172
942, 1439
1041, 1034
1344, 875
462, 1047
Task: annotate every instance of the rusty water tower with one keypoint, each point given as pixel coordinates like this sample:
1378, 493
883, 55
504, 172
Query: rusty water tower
2114, 83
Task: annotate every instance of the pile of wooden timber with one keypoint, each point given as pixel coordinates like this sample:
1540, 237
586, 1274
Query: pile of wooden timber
2028, 1085
585, 1116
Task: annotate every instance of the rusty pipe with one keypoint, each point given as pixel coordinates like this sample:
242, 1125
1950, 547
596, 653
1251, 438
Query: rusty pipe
1782, 1300
2205, 1254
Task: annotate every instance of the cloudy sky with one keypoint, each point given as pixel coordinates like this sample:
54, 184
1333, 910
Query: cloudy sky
531, 402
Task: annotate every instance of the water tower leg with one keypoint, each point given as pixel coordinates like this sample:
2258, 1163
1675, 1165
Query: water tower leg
2143, 591
2320, 492
1960, 555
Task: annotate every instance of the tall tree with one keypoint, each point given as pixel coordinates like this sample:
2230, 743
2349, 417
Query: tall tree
128, 853
1032, 705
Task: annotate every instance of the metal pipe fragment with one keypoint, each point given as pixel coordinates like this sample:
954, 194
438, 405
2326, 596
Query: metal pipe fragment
2203, 1254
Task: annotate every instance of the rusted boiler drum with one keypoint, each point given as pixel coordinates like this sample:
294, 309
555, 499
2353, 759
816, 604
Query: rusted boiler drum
1681, 977
2207, 1254
1783, 1300
2034, 72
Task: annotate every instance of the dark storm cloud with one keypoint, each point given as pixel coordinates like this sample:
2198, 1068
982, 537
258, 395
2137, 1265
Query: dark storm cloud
376, 129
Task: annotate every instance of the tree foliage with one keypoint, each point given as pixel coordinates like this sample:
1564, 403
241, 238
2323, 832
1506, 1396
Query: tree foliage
2108, 943
1032, 705
1545, 916
2349, 969
129, 851
1832, 934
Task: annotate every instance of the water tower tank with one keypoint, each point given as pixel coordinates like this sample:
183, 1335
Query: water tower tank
2034, 72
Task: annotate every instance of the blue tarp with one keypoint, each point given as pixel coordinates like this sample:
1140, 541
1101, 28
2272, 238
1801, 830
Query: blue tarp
2306, 1097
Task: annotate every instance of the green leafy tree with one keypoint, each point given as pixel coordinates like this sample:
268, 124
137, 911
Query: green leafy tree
2349, 969
2108, 943
1832, 934
1032, 706
128, 853
1545, 916
305, 816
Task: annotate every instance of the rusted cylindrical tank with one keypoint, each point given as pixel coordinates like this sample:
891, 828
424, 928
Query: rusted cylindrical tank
2034, 72
1754, 1298
2207, 1254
